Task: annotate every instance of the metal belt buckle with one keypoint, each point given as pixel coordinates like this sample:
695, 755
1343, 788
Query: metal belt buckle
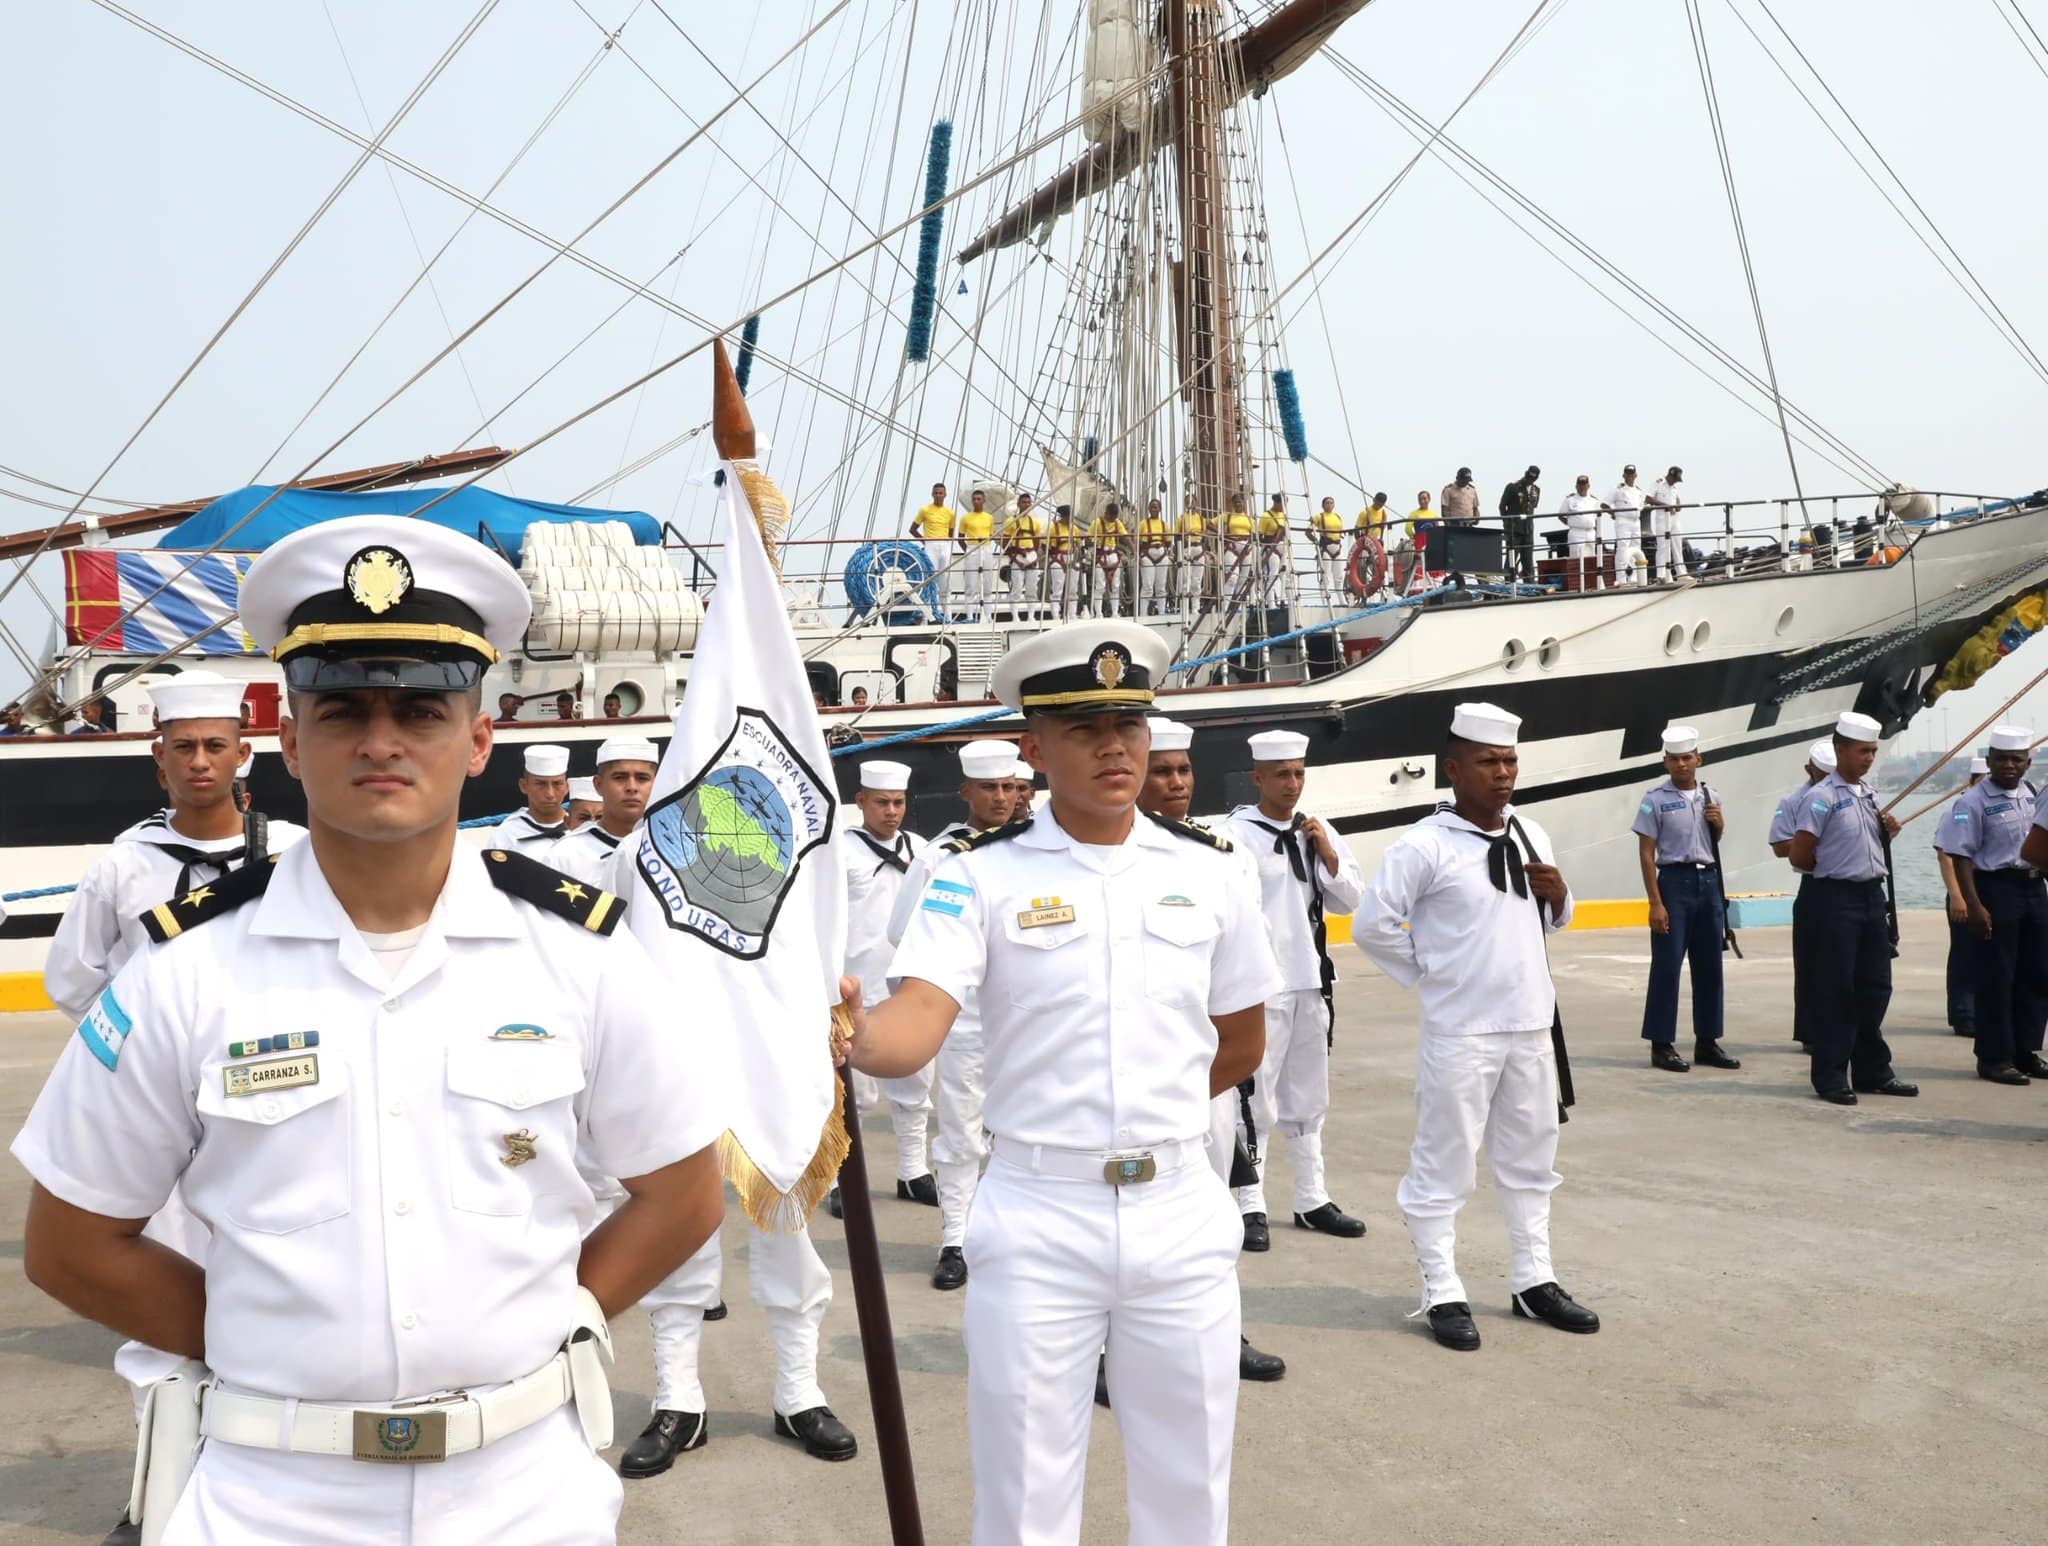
1129, 1169
402, 1438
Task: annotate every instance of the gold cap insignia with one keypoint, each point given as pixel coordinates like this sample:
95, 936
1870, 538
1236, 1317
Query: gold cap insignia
377, 579
1109, 664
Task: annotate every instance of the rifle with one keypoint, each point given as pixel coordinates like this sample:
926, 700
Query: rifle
1728, 939
1891, 883
1566, 1097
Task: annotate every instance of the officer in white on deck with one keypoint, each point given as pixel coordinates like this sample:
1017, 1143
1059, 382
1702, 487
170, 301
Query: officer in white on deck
535, 830
624, 779
1626, 499
1581, 515
1305, 871
1121, 970
1459, 910
404, 1319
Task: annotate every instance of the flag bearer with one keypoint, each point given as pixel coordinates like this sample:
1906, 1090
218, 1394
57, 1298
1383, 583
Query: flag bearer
536, 829
1678, 828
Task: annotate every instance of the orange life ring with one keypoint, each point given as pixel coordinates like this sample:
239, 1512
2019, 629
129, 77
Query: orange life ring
1367, 571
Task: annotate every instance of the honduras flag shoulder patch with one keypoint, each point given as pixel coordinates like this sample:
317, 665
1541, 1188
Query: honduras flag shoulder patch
105, 1028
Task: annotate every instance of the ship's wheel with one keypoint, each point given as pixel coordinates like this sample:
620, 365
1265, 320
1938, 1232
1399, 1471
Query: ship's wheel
895, 577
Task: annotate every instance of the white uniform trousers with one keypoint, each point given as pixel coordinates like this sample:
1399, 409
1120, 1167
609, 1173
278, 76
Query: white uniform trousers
1664, 548
1152, 576
1062, 587
940, 551
1628, 550
1109, 582
961, 1143
1331, 567
1023, 581
1291, 1096
910, 1110
541, 1485
1223, 1126
785, 1277
1060, 1269
977, 572
1240, 570
1272, 578
1499, 1089
1191, 578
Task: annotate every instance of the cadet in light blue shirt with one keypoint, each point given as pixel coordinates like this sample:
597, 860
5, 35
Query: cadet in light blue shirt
1677, 828
2007, 904
1820, 762
1841, 939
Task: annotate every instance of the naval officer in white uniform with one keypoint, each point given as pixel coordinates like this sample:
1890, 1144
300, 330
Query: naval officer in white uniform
403, 1307
1122, 973
534, 830
1305, 872
622, 783
1459, 910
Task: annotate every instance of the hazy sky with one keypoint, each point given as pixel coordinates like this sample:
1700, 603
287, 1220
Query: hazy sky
148, 193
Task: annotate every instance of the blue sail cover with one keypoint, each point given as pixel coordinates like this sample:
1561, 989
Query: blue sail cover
470, 511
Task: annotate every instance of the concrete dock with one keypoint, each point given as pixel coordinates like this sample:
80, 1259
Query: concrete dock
1820, 1324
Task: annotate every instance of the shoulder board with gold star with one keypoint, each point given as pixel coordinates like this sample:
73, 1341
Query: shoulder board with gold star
1193, 832
552, 891
982, 839
167, 920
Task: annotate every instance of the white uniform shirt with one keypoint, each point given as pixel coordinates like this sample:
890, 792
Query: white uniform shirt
1581, 513
1627, 501
585, 853
1432, 919
522, 833
102, 927
968, 1021
1283, 900
368, 1245
1663, 506
1098, 967
873, 885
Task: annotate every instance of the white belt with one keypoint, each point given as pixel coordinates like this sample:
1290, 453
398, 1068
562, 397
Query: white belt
396, 1433
1121, 1167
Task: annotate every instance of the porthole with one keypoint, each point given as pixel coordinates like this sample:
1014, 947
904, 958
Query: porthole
1674, 639
1784, 624
1701, 635
632, 698
1513, 654
1548, 653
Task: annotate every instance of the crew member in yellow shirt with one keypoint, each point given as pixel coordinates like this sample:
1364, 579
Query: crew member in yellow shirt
1023, 538
1195, 555
1155, 560
1273, 553
977, 557
1111, 537
1240, 558
1372, 520
1326, 528
933, 525
1063, 559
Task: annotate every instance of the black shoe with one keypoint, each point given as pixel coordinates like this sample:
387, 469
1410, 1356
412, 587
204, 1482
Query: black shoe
1261, 1368
823, 1436
1548, 1302
127, 1533
1451, 1324
1893, 1086
1969, 1031
669, 1435
951, 1272
924, 1189
833, 1205
1709, 1054
1838, 1097
1102, 1380
1257, 1237
2001, 1073
2032, 1064
1663, 1055
1330, 1219
717, 1312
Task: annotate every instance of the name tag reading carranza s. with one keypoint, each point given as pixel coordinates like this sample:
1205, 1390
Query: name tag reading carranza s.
1044, 912
274, 1074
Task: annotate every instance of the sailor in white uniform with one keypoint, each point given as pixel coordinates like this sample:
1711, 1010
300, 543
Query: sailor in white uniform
585, 804
987, 783
624, 779
535, 830
1021, 786
1667, 543
1581, 515
1306, 871
1460, 908
1626, 499
1121, 970
403, 1310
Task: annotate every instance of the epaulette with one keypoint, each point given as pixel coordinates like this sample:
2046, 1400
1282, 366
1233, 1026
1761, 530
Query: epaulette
167, 920
1192, 832
982, 839
552, 891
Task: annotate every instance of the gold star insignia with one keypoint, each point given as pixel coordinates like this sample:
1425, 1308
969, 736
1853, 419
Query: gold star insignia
571, 890
194, 898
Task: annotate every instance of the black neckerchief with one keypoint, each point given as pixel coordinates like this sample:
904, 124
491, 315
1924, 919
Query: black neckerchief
896, 858
1287, 840
190, 859
559, 829
604, 837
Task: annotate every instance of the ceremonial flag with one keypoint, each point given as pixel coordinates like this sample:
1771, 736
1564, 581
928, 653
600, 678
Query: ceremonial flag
735, 867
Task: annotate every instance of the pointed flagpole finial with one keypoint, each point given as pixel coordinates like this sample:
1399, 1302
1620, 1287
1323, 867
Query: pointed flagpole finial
732, 426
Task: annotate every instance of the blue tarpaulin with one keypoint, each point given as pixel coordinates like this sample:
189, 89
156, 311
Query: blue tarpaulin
469, 511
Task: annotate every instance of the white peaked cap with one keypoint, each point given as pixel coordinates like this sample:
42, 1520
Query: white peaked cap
248, 762
1980, 765
1024, 770
885, 777
1486, 724
624, 748
1170, 735
1681, 738
583, 789
988, 759
197, 695
1273, 745
1822, 755
1858, 727
547, 761
2011, 738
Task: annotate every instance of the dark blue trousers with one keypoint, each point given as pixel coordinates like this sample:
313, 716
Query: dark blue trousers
1693, 900
1844, 980
2011, 978
1962, 971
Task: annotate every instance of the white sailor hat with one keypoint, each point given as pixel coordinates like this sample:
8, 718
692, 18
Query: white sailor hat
627, 748
885, 777
1979, 765
2011, 738
1822, 755
1278, 746
1485, 724
383, 601
1024, 770
1852, 726
1170, 735
1095, 667
197, 694
547, 761
583, 789
988, 759
1679, 739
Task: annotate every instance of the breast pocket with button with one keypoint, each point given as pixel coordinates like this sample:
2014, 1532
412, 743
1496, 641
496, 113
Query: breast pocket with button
1178, 943
1045, 963
274, 1161
511, 1123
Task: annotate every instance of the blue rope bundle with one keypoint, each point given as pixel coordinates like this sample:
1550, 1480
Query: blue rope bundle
924, 296
1291, 427
749, 336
